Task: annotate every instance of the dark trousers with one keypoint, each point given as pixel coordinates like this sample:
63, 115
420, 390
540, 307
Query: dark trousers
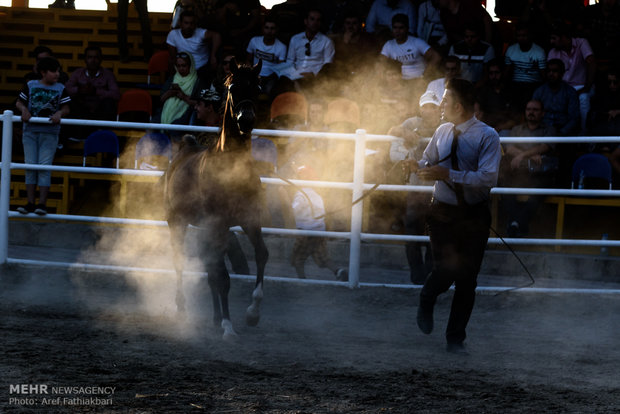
420, 263
458, 239
145, 24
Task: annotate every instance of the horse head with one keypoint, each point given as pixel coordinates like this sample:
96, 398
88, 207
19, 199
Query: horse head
243, 90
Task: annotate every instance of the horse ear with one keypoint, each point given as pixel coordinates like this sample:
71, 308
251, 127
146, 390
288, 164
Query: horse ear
256, 69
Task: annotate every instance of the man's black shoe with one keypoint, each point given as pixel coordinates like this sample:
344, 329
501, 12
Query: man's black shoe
457, 348
425, 320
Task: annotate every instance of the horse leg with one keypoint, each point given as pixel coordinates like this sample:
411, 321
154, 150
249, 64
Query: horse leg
177, 240
252, 315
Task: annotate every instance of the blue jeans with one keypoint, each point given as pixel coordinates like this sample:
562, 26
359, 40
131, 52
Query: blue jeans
39, 148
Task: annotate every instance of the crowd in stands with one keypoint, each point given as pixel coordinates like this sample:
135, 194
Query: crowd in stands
553, 72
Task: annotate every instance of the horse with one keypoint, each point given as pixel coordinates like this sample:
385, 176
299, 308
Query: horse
217, 187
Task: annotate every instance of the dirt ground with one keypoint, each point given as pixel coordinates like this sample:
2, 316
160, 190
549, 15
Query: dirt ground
317, 349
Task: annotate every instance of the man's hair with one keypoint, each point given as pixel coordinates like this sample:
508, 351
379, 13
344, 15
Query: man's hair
315, 10
400, 18
41, 49
495, 62
557, 62
538, 101
269, 18
187, 13
464, 93
561, 28
47, 64
93, 47
453, 59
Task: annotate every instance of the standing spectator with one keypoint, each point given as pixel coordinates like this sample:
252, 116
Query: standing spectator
411, 148
94, 92
559, 99
268, 49
456, 15
145, 26
44, 97
203, 44
463, 157
289, 17
309, 212
579, 64
429, 27
310, 50
381, 13
529, 165
417, 58
525, 65
473, 53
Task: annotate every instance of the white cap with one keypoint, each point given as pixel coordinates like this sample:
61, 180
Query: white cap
429, 97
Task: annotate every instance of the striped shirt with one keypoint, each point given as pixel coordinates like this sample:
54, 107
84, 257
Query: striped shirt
43, 101
526, 65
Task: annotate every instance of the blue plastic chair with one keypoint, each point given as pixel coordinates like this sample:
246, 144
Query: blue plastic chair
153, 143
591, 165
102, 141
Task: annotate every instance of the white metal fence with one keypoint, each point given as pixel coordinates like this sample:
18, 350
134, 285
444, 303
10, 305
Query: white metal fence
358, 186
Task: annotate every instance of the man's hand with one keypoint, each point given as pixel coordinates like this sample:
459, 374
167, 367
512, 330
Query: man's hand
516, 161
433, 173
56, 117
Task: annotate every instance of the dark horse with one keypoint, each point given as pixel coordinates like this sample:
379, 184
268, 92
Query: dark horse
216, 188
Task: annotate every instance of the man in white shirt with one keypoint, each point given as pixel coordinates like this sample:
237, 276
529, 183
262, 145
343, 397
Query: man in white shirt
268, 49
203, 44
309, 51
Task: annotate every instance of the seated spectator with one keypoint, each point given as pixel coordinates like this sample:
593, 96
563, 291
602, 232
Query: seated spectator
44, 97
604, 117
289, 17
452, 69
208, 113
203, 44
527, 165
268, 49
579, 64
473, 53
39, 53
409, 149
495, 100
308, 51
417, 58
222, 71
238, 21
525, 65
429, 27
355, 49
94, 93
379, 19
456, 15
559, 99
180, 93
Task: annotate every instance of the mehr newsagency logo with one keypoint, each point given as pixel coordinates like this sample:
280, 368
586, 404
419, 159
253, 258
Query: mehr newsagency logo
45, 395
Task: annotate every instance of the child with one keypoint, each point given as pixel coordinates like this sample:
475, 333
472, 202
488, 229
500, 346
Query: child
308, 209
45, 97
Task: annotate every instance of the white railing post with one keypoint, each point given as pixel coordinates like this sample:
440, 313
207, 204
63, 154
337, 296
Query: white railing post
357, 210
5, 183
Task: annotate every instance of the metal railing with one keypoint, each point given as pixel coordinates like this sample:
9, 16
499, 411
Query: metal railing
358, 186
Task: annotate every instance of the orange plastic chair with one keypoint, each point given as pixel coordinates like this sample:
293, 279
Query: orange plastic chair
158, 63
289, 103
343, 110
135, 100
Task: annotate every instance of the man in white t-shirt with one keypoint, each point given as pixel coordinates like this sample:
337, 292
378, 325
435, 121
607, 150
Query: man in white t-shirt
203, 44
310, 50
414, 54
268, 48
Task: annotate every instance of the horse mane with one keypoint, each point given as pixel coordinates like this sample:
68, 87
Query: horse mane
228, 110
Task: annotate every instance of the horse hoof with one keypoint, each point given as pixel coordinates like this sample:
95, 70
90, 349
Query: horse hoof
252, 315
229, 332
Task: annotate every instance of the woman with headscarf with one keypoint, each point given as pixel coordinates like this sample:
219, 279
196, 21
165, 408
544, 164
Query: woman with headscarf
179, 93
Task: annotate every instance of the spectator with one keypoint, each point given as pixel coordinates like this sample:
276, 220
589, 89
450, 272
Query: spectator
379, 19
180, 93
410, 148
601, 27
309, 214
529, 165
238, 21
208, 113
473, 53
145, 26
525, 66
579, 64
495, 100
417, 58
452, 69
39, 53
44, 97
203, 44
604, 117
94, 92
355, 49
559, 99
429, 27
456, 15
289, 17
222, 72
310, 50
268, 49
